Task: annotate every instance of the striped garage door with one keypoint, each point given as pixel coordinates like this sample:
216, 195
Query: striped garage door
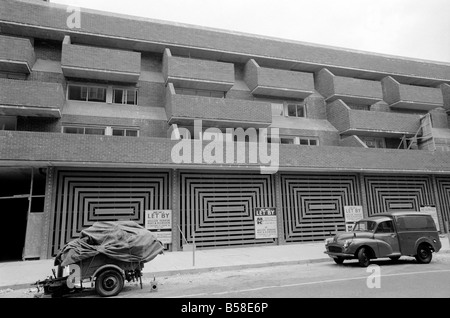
314, 204
219, 207
85, 197
397, 193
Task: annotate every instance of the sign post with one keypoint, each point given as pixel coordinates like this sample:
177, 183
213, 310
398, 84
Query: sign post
265, 223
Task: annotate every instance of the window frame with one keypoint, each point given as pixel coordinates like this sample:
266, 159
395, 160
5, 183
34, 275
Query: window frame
87, 87
125, 95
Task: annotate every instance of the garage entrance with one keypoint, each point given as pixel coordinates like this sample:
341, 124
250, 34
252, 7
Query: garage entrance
15, 187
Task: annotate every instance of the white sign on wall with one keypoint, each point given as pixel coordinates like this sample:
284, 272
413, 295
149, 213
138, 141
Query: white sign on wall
433, 212
265, 223
159, 222
352, 214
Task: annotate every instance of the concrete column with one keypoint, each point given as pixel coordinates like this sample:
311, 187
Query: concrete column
279, 209
175, 211
439, 118
363, 194
439, 211
50, 194
316, 107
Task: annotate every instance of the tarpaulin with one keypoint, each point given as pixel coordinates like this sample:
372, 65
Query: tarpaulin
121, 240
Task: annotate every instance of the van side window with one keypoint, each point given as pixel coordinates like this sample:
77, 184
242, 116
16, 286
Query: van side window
385, 227
415, 223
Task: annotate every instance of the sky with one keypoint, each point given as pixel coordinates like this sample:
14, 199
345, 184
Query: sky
410, 28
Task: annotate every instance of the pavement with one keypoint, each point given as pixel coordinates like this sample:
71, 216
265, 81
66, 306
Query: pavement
21, 274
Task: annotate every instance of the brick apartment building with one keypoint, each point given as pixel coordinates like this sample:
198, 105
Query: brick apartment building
89, 101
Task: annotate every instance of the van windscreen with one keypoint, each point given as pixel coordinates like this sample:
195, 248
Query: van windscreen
415, 223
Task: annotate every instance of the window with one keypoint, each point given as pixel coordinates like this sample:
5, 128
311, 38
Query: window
385, 227
8, 122
84, 130
289, 109
374, 142
125, 96
287, 141
277, 109
200, 92
124, 132
16, 76
87, 93
294, 140
296, 110
359, 106
99, 130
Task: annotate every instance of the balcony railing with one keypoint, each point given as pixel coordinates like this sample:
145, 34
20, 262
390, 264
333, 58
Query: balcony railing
30, 98
16, 55
278, 83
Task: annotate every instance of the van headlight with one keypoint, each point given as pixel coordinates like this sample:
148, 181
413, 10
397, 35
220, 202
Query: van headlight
328, 240
347, 243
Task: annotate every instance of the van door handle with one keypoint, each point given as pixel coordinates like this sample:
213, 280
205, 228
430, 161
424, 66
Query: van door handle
393, 235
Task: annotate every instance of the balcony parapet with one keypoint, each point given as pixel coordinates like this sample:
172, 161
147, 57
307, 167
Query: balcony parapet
30, 98
278, 83
16, 54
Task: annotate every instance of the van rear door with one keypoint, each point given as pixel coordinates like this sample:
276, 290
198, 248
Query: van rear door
411, 228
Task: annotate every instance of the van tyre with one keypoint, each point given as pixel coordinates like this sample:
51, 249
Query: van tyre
424, 254
109, 283
364, 257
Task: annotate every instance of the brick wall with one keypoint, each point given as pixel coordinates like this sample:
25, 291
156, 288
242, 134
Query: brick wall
179, 35
151, 94
70, 149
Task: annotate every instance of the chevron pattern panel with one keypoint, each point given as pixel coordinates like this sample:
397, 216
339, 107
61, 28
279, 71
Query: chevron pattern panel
219, 207
313, 204
397, 193
443, 190
85, 197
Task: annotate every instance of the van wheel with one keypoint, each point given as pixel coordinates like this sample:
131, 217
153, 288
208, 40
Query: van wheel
109, 283
338, 260
363, 257
424, 254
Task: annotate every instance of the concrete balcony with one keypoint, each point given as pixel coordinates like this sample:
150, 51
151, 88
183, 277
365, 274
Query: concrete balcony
371, 123
220, 112
278, 83
21, 148
350, 90
80, 61
30, 98
197, 74
410, 96
16, 55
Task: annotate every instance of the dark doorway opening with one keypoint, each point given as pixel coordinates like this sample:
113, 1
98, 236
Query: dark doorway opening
14, 188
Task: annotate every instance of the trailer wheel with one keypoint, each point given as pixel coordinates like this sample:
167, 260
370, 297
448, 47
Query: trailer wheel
109, 283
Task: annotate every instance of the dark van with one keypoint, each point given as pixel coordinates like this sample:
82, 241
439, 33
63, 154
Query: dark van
392, 235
